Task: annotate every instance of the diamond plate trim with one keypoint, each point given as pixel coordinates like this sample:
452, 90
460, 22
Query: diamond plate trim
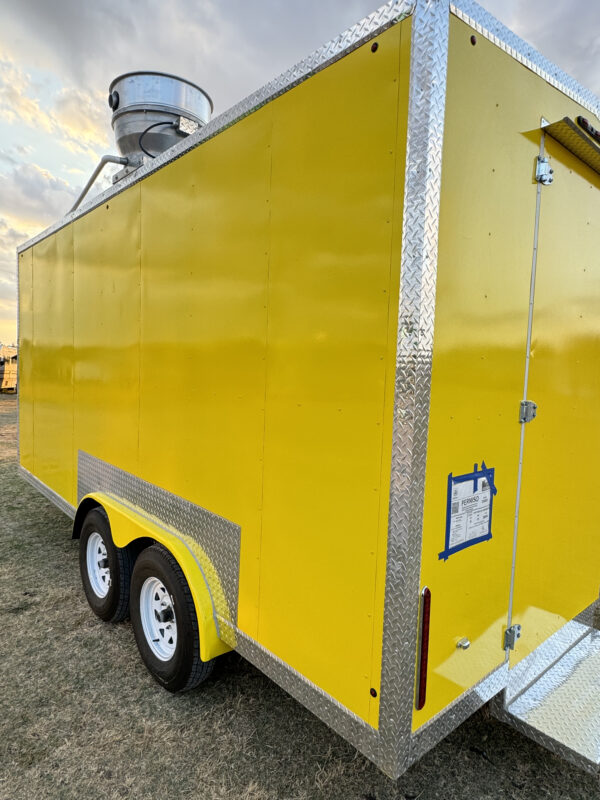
325, 707
48, 493
548, 653
394, 748
373, 25
488, 26
428, 69
561, 709
574, 139
457, 712
218, 538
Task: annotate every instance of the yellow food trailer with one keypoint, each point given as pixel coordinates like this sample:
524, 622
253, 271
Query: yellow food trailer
361, 283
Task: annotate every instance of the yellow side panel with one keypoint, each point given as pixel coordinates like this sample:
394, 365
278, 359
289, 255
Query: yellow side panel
329, 307
107, 314
491, 140
558, 555
26, 359
53, 362
205, 249
485, 243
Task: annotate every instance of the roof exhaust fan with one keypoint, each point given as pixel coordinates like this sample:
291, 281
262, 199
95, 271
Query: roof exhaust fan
152, 111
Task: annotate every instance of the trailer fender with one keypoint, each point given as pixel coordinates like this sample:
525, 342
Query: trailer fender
130, 525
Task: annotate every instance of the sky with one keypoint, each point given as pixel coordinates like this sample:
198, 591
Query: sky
58, 58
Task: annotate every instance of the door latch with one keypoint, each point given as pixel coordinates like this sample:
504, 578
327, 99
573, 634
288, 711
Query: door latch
527, 411
544, 173
510, 636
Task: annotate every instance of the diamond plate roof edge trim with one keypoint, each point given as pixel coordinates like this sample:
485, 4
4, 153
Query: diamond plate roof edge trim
488, 26
372, 25
427, 100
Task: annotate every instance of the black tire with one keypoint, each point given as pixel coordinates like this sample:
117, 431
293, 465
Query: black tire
114, 605
184, 669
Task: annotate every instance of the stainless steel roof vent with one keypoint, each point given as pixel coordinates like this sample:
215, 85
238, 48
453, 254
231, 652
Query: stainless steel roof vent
152, 111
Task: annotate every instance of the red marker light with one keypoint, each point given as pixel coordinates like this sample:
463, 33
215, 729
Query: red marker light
423, 648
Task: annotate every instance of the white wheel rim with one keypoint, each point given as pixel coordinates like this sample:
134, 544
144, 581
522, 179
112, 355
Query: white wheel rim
97, 565
158, 619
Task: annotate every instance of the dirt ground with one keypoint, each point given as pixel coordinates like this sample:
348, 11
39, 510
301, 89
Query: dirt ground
81, 718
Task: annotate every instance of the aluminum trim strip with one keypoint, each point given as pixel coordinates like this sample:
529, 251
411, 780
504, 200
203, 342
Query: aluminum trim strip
545, 741
427, 98
576, 141
48, 493
530, 668
457, 712
372, 25
218, 538
560, 708
326, 708
488, 26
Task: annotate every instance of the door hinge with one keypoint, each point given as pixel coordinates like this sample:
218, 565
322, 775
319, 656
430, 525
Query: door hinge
510, 636
527, 411
544, 173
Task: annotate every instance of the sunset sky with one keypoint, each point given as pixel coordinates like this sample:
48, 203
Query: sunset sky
58, 58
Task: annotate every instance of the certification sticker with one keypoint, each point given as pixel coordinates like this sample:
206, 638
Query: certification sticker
469, 509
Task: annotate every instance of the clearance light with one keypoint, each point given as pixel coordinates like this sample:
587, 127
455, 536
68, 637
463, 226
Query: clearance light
424, 648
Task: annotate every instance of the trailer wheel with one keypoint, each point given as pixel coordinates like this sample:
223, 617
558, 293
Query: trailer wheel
105, 569
164, 622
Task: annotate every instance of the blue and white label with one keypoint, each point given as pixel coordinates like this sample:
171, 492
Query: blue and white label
469, 509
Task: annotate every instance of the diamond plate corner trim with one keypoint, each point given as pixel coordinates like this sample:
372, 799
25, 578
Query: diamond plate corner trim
457, 712
48, 493
488, 26
372, 25
427, 98
213, 540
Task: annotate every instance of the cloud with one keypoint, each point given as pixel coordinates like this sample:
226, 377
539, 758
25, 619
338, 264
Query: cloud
16, 106
73, 118
228, 48
33, 195
80, 115
566, 33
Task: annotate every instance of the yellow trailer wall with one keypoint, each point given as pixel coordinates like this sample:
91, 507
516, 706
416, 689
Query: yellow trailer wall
233, 341
494, 107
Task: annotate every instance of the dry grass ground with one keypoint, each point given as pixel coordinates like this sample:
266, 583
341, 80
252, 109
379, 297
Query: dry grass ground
81, 718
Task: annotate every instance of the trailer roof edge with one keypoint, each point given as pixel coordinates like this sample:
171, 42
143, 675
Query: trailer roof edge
352, 38
467, 10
